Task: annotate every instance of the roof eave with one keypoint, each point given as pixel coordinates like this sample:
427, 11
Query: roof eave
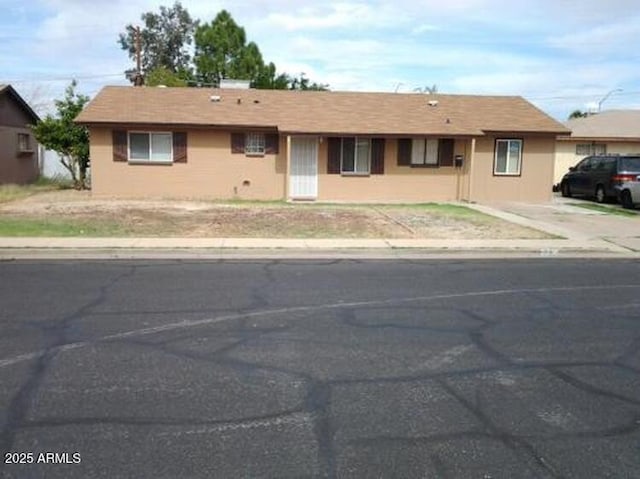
34, 116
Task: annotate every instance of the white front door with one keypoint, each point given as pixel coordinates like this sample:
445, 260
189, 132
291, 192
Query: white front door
303, 178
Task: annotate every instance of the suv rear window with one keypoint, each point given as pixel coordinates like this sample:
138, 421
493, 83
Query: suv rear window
630, 164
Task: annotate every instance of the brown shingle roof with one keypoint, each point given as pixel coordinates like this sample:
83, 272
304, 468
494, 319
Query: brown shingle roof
318, 112
611, 124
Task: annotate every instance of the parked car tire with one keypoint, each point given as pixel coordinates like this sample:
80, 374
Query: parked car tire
601, 196
565, 190
625, 200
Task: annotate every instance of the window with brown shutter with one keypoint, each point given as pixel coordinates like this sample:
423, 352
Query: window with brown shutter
237, 142
445, 152
179, 147
119, 138
272, 144
333, 156
377, 156
404, 151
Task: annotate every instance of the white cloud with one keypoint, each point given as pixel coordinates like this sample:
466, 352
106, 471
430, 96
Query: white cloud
616, 38
560, 53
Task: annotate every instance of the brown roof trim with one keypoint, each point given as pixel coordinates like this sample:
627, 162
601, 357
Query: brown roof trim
178, 126
599, 138
9, 89
526, 132
462, 136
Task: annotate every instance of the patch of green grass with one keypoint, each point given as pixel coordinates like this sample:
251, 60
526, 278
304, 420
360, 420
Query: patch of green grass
36, 227
58, 182
606, 209
13, 192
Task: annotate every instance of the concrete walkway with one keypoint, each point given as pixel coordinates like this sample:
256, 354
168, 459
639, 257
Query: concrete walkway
577, 231
564, 217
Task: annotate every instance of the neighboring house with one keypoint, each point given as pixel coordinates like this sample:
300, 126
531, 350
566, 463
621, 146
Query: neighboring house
609, 132
327, 146
18, 147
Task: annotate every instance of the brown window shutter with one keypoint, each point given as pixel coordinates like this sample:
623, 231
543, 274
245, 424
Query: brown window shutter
377, 156
445, 152
404, 151
179, 147
333, 156
237, 142
119, 138
271, 144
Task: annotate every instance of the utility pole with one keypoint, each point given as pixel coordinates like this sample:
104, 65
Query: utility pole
139, 79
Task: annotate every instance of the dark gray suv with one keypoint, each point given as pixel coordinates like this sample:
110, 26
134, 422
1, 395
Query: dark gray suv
600, 177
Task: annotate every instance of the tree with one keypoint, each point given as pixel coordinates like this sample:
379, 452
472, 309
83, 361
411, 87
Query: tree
578, 114
302, 83
164, 76
432, 90
62, 135
164, 40
221, 51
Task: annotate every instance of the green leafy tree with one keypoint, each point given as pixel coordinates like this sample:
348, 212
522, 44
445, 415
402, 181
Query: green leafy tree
164, 40
303, 83
221, 51
578, 114
60, 134
164, 76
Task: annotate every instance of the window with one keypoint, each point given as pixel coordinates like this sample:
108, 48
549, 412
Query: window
355, 156
586, 149
417, 152
424, 151
254, 144
508, 158
23, 142
151, 147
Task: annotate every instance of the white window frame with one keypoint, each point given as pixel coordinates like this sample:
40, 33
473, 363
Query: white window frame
255, 144
150, 159
355, 171
589, 149
427, 147
518, 160
24, 143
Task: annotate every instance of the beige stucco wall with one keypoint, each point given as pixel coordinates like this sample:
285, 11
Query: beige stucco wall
14, 167
533, 185
566, 154
399, 183
211, 171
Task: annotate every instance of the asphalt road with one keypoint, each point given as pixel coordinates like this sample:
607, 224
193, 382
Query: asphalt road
452, 369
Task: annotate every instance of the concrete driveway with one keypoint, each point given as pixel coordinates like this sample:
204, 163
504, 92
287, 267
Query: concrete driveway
561, 216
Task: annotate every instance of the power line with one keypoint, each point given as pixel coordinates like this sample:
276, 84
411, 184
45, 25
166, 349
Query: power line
68, 77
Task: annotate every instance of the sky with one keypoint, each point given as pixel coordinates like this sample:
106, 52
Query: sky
561, 55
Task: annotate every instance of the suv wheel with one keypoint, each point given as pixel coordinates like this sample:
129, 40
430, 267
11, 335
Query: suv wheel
625, 200
565, 190
600, 195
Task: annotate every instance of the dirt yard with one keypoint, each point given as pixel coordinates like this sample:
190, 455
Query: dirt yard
152, 218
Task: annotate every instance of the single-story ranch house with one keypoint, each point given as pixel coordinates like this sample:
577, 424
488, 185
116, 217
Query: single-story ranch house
327, 146
612, 132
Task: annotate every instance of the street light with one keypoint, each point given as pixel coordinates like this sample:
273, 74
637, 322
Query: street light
617, 90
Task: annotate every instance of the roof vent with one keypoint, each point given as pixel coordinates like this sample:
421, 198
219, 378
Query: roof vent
215, 98
432, 103
234, 83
